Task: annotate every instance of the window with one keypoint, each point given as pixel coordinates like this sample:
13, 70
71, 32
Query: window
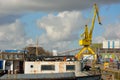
31, 66
47, 67
70, 67
110, 51
102, 51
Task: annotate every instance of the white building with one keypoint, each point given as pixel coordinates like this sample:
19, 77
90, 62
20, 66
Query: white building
111, 44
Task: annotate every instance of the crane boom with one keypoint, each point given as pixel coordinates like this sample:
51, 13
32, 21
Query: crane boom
96, 12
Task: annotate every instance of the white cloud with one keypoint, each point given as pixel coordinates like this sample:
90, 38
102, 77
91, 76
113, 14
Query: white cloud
30, 41
62, 28
99, 39
12, 35
111, 32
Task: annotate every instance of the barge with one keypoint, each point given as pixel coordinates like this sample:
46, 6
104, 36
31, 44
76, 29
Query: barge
22, 67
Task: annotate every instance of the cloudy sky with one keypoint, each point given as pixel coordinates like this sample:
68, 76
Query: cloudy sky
56, 23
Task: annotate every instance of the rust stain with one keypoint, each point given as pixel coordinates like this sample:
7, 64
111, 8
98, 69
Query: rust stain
61, 66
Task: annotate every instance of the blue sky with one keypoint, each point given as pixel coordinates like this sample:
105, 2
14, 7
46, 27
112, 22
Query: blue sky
29, 19
57, 24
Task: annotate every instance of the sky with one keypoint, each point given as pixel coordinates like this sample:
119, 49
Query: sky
57, 24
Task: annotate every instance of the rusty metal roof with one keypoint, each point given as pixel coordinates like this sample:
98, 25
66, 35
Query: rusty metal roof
69, 75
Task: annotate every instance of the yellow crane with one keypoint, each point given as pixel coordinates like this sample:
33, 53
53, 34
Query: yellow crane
87, 40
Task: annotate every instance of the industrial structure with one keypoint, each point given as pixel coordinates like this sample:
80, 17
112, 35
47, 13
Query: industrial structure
87, 40
31, 64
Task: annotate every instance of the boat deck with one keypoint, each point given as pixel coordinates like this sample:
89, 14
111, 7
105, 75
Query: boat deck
52, 76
